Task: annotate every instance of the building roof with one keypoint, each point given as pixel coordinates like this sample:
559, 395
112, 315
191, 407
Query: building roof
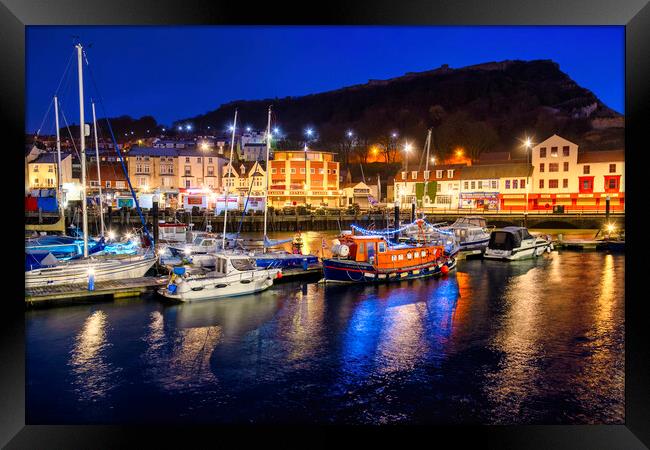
49, 158
491, 171
109, 171
432, 173
601, 156
152, 151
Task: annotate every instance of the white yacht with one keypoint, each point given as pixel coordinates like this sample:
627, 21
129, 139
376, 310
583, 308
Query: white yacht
201, 244
513, 243
233, 275
471, 233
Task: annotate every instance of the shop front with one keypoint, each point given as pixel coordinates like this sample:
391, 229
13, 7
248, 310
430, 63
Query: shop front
488, 201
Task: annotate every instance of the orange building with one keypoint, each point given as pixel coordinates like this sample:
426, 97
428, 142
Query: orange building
299, 177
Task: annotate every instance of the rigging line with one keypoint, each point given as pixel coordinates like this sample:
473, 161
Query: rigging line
38, 132
119, 154
74, 146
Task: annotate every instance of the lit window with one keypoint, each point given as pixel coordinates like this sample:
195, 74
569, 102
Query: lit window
450, 173
273, 171
293, 170
507, 184
282, 170
400, 257
466, 185
554, 152
414, 175
438, 173
515, 184
409, 255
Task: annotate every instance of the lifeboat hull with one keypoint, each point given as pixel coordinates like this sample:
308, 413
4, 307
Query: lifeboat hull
347, 271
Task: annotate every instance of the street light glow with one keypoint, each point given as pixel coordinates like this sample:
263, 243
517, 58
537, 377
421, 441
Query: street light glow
276, 130
248, 129
188, 127
309, 131
407, 147
350, 134
394, 135
204, 146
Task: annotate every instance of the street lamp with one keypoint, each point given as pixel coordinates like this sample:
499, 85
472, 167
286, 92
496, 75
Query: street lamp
528, 145
407, 150
309, 132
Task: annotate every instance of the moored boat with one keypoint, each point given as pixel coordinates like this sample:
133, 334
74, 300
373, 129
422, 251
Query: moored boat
375, 259
233, 275
514, 243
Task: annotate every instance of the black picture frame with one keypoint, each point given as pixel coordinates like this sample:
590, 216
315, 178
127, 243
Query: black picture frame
633, 14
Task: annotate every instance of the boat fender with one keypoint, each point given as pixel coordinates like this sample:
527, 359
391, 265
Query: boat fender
171, 288
444, 270
279, 274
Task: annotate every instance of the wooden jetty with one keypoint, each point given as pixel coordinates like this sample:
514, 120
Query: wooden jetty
132, 287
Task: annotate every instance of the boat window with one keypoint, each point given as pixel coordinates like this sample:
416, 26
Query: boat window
360, 248
381, 247
409, 256
207, 242
393, 258
424, 253
243, 263
400, 257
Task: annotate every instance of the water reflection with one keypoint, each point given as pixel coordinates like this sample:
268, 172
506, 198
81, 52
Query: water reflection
537, 341
91, 369
181, 359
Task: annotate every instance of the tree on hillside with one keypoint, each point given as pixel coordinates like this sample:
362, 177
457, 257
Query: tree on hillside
459, 130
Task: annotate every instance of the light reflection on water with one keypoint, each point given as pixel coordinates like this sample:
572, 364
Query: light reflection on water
93, 374
538, 341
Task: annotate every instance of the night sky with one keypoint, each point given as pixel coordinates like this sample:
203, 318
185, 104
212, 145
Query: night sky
177, 72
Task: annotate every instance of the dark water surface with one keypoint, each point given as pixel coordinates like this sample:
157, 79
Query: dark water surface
538, 341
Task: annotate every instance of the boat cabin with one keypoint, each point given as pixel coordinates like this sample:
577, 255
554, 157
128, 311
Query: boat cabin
475, 221
203, 241
172, 231
225, 265
509, 238
377, 251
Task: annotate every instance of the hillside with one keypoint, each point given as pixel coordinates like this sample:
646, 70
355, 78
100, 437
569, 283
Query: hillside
486, 107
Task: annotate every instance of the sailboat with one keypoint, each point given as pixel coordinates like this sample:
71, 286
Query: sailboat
277, 258
46, 271
234, 273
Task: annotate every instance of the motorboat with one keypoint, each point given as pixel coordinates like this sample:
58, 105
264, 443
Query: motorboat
471, 233
376, 259
201, 244
233, 275
514, 243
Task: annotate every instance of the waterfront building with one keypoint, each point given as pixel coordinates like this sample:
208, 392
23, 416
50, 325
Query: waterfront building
42, 169
358, 193
442, 186
577, 180
153, 169
494, 186
304, 176
112, 175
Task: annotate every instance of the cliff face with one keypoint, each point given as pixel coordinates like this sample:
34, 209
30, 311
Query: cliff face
488, 106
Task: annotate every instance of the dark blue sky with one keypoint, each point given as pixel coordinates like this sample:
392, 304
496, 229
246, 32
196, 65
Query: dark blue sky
177, 72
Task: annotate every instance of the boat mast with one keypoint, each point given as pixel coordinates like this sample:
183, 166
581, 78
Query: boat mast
225, 212
99, 175
82, 146
59, 192
268, 174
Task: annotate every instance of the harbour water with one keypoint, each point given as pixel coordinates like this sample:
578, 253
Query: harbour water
528, 342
